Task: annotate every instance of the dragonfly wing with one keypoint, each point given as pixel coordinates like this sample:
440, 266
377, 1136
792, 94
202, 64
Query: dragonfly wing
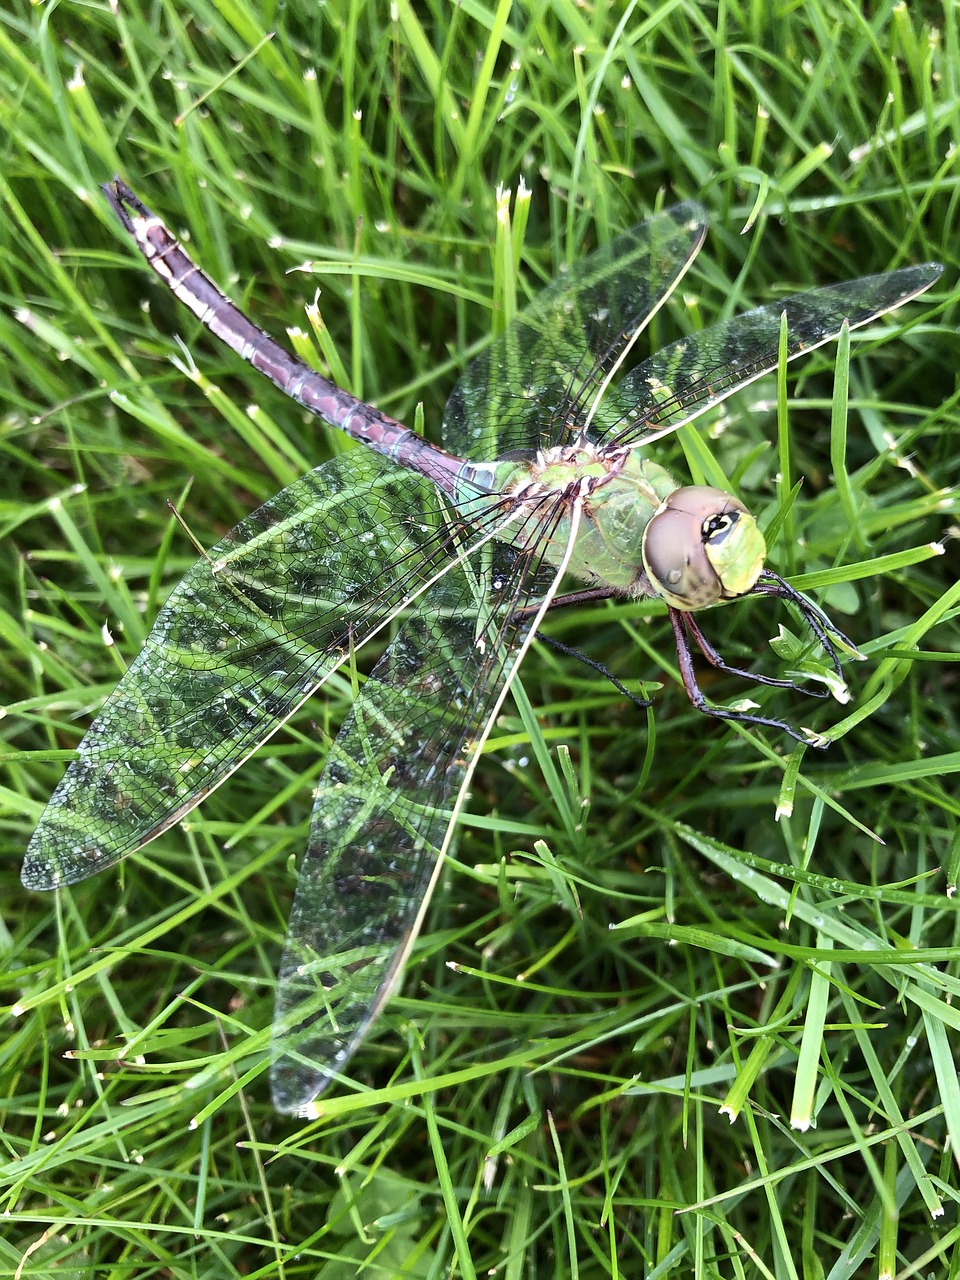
535, 384
385, 806
686, 378
243, 640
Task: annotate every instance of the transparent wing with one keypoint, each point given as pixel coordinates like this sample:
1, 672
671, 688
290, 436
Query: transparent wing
535, 385
382, 813
686, 378
243, 640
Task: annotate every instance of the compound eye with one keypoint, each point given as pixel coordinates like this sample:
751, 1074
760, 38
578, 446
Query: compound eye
700, 546
674, 553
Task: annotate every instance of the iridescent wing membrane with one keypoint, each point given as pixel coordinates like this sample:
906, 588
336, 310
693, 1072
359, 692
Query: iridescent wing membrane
403, 751
381, 819
686, 378
243, 640
537, 384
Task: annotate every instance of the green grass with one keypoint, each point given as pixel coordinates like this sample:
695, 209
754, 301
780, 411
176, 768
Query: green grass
685, 1005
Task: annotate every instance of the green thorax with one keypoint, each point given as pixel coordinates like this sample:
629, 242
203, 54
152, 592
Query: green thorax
616, 509
639, 532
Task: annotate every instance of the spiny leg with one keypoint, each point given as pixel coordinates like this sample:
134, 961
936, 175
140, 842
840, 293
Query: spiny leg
720, 664
588, 596
595, 666
819, 622
581, 597
697, 697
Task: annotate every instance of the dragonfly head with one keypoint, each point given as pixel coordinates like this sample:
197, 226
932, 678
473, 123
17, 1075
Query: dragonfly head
702, 545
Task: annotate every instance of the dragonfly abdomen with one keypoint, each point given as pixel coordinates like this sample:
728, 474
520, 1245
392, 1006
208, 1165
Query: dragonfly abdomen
195, 289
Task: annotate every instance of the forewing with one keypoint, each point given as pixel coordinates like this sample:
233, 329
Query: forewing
243, 640
382, 814
686, 378
536, 384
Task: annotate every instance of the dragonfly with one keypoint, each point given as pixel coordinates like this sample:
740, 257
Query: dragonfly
459, 552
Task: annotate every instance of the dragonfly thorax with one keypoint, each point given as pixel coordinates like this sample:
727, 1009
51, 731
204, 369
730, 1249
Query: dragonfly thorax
639, 533
527, 474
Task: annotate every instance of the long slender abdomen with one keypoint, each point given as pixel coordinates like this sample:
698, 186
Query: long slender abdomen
194, 288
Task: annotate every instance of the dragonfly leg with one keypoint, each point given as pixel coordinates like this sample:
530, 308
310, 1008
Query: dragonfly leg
588, 596
820, 623
595, 666
697, 697
720, 664
581, 597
